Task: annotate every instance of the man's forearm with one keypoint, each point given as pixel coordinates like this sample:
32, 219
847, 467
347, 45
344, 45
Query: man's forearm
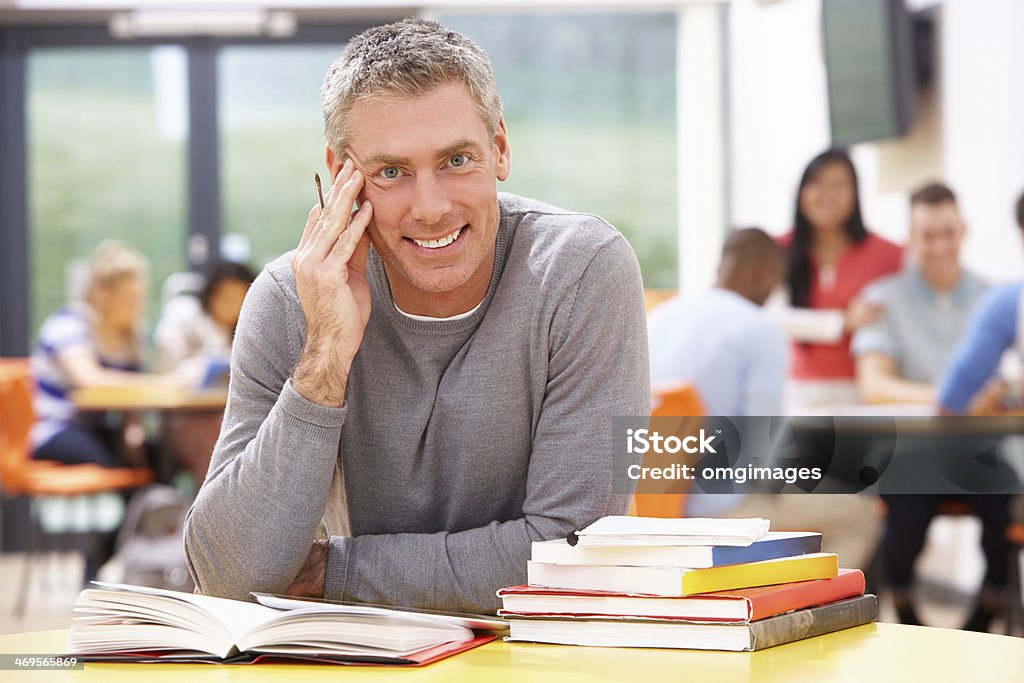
450, 571
888, 389
321, 373
251, 525
310, 580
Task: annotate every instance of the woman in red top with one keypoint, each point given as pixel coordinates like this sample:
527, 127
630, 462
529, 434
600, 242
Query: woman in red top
832, 257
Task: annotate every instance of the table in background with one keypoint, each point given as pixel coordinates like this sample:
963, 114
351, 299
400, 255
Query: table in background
876, 653
149, 398
857, 444
190, 421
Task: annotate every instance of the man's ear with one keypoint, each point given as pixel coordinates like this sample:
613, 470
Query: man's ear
504, 151
334, 163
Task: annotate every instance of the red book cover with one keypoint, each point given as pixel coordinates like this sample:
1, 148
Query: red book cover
421, 658
761, 602
767, 601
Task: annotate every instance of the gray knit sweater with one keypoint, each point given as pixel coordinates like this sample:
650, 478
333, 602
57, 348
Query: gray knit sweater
460, 441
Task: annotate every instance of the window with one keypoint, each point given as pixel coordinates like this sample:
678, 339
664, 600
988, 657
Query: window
106, 160
272, 141
590, 106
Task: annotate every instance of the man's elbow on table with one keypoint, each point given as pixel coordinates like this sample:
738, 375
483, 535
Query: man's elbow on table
225, 573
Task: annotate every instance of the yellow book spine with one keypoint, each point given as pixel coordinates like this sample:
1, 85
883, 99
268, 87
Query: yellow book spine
764, 573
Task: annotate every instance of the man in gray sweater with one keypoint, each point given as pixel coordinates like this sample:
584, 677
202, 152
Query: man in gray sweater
434, 375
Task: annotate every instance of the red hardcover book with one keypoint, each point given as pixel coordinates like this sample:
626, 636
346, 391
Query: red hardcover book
421, 658
742, 605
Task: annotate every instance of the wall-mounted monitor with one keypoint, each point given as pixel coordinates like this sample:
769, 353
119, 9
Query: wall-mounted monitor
869, 60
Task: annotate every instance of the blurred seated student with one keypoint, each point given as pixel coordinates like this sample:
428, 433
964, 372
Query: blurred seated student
720, 340
900, 359
736, 357
901, 356
831, 256
92, 343
971, 385
194, 338
202, 327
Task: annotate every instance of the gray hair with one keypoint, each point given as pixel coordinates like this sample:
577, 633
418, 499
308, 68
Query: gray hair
406, 59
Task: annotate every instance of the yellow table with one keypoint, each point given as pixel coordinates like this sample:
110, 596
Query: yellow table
876, 653
149, 398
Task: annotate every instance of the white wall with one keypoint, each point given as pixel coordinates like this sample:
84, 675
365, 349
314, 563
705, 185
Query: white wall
983, 106
779, 117
779, 120
972, 137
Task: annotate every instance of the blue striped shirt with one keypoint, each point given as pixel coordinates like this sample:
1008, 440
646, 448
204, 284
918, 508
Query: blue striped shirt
66, 329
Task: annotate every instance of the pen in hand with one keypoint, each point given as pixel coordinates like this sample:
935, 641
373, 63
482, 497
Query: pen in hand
319, 190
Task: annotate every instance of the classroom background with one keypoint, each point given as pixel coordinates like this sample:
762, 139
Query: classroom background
191, 135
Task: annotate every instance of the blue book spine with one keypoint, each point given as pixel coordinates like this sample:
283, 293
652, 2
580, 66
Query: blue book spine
766, 549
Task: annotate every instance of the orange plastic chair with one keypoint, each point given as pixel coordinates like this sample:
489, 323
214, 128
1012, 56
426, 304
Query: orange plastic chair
670, 400
21, 476
654, 297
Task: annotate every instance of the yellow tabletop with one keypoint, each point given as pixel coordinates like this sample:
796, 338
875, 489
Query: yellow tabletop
876, 653
149, 398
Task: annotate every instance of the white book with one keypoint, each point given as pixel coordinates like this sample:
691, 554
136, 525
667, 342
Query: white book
772, 545
624, 531
118, 619
669, 633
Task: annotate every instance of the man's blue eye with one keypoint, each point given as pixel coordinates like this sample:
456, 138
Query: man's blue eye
390, 173
458, 160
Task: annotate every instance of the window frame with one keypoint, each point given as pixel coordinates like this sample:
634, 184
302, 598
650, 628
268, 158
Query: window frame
203, 190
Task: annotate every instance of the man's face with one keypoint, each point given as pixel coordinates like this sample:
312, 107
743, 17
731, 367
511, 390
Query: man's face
430, 170
936, 233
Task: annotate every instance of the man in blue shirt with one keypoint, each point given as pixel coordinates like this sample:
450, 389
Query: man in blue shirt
900, 359
970, 384
901, 356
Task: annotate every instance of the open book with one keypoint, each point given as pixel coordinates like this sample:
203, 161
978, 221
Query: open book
132, 623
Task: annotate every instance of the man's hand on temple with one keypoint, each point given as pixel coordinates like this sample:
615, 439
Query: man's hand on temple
330, 280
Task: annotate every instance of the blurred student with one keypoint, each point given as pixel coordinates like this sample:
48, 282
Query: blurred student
901, 357
92, 343
721, 340
736, 357
831, 258
193, 338
971, 385
202, 327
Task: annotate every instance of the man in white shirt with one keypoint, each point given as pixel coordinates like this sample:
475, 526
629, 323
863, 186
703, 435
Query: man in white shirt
721, 340
737, 357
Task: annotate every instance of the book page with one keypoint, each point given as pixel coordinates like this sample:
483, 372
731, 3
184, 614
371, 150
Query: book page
689, 527
237, 617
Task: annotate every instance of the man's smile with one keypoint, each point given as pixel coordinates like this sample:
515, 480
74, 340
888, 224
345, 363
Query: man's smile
438, 244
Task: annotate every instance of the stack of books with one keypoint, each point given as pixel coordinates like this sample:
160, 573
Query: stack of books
703, 584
